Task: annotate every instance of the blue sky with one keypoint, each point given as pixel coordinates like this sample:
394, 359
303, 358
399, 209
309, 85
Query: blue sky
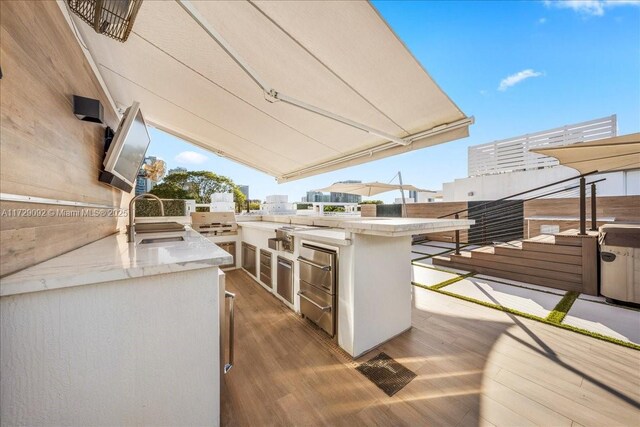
518, 67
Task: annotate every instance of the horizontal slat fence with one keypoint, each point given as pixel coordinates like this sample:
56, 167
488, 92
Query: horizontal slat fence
513, 154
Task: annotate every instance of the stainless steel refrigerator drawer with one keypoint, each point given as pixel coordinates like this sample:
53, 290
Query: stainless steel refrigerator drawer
317, 306
265, 277
317, 267
316, 276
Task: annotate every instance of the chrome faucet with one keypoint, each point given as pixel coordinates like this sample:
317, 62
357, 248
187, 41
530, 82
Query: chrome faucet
131, 229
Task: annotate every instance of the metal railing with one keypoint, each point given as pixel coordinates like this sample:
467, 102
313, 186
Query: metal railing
502, 220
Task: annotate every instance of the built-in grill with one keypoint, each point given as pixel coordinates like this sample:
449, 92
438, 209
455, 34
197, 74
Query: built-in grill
214, 223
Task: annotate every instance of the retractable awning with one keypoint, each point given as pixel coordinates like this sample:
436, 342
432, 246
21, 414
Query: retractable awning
604, 155
293, 89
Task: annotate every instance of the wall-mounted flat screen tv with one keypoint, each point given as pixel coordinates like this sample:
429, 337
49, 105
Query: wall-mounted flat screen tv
126, 151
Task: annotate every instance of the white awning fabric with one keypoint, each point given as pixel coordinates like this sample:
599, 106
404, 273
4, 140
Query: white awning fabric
368, 188
337, 56
618, 153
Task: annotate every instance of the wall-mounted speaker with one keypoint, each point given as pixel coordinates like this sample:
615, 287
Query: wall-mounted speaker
87, 109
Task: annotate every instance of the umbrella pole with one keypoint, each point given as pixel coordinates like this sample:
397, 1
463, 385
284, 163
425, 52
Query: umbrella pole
404, 203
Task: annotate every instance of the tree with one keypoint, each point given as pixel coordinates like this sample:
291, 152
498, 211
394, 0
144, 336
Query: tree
372, 202
332, 208
198, 185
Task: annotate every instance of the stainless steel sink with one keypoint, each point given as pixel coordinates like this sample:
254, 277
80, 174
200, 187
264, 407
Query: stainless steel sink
162, 240
158, 227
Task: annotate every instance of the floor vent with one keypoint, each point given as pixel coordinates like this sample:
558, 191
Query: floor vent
389, 375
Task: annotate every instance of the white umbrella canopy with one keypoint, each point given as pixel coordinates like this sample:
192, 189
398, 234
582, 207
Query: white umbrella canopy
367, 188
604, 155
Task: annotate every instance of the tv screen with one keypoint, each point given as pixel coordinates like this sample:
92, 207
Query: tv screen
129, 145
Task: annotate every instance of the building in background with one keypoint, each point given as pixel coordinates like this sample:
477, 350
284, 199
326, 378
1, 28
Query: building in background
244, 189
144, 184
502, 168
345, 197
177, 170
317, 196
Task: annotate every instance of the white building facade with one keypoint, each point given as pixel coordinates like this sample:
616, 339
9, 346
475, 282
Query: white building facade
503, 168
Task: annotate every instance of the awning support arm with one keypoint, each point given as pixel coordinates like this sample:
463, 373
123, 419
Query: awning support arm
268, 90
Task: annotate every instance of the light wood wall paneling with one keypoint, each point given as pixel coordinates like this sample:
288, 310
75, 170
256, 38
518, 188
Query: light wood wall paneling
45, 151
435, 210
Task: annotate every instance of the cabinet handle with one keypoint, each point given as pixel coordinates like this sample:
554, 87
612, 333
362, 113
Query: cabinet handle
325, 308
313, 264
232, 297
284, 264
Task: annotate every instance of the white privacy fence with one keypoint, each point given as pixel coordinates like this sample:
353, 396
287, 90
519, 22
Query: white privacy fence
513, 154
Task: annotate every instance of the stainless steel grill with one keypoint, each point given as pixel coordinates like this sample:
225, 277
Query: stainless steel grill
214, 223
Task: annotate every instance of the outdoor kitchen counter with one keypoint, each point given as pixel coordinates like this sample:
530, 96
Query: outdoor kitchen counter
113, 258
389, 227
331, 236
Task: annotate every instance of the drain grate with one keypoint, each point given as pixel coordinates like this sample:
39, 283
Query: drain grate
387, 374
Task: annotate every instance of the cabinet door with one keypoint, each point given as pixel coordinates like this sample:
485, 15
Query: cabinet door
285, 279
249, 258
229, 247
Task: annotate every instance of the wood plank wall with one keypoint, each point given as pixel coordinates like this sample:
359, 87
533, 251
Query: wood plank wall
45, 151
435, 210
622, 208
368, 210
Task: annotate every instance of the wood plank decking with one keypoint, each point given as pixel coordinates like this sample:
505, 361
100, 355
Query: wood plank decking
475, 366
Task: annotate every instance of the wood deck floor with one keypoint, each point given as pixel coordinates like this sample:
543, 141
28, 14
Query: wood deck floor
475, 366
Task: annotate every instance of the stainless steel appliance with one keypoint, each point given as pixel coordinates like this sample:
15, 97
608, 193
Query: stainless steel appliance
318, 286
214, 223
217, 224
249, 258
265, 268
230, 248
225, 333
283, 240
284, 280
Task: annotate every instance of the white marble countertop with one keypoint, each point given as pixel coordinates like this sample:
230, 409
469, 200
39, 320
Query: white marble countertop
331, 236
390, 227
405, 226
113, 258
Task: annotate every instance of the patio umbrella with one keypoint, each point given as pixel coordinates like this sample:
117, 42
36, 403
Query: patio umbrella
367, 188
604, 155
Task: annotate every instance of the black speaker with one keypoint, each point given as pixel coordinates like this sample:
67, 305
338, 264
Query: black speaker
87, 109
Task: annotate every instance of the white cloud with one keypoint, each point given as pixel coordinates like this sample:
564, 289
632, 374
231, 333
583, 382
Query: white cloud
190, 158
542, 21
516, 78
590, 7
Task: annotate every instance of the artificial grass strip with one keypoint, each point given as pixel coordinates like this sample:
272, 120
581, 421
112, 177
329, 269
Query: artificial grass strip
562, 308
450, 281
532, 317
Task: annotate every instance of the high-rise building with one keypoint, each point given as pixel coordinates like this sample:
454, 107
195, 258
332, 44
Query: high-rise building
345, 197
244, 189
144, 184
317, 196
177, 170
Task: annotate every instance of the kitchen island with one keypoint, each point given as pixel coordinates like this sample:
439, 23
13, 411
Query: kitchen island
115, 333
374, 293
